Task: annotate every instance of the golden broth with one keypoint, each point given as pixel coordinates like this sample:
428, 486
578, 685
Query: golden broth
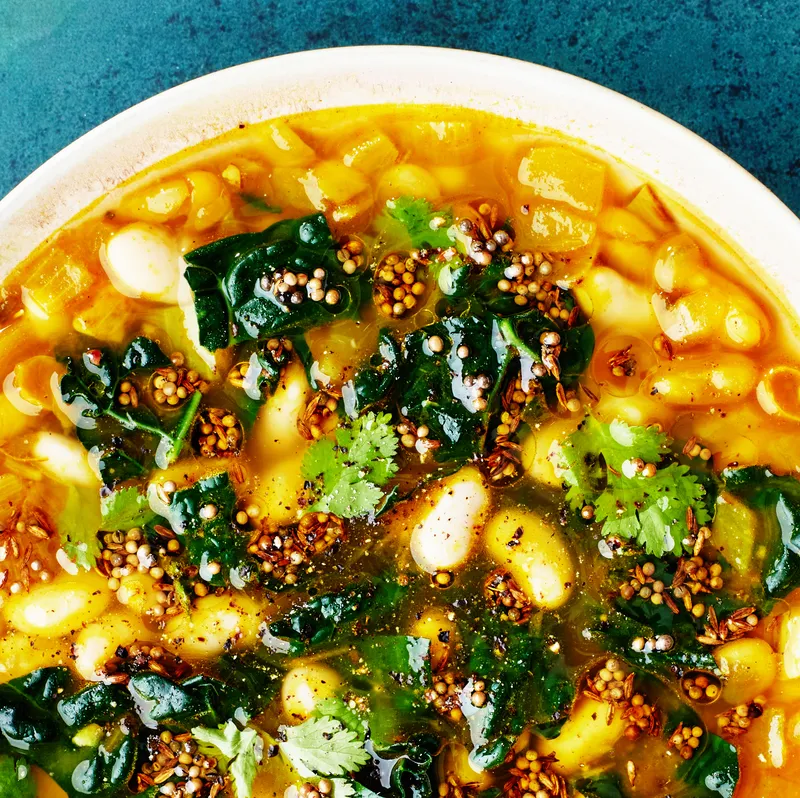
714, 360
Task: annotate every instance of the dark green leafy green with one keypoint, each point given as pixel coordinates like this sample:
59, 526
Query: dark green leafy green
95, 703
323, 618
127, 440
375, 378
31, 718
433, 390
777, 500
713, 771
210, 535
415, 220
607, 785
231, 280
526, 683
615, 631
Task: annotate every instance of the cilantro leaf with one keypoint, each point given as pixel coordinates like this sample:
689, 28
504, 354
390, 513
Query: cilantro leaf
595, 463
77, 525
416, 216
322, 747
125, 509
240, 748
347, 475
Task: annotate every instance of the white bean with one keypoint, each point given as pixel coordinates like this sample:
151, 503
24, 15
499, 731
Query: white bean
142, 260
447, 532
55, 608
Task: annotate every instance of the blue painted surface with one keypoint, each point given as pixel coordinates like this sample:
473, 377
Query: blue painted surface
728, 69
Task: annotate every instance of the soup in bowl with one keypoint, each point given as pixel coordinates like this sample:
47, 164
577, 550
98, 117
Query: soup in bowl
396, 451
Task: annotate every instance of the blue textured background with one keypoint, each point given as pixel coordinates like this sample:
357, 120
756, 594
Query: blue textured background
728, 69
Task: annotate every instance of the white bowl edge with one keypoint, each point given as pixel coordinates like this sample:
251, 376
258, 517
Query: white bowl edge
710, 182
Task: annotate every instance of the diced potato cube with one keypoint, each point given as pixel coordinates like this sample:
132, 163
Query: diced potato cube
283, 147
371, 153
106, 318
56, 282
451, 140
556, 229
407, 179
789, 643
289, 191
560, 174
210, 200
332, 183
629, 258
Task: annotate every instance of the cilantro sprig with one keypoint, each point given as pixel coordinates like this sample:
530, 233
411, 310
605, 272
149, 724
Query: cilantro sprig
419, 222
596, 463
240, 747
322, 746
347, 474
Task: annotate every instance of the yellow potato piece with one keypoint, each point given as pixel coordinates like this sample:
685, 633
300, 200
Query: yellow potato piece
623, 224
332, 183
158, 203
282, 146
789, 643
560, 174
748, 667
371, 152
696, 318
558, 229
587, 737
536, 553
407, 179
58, 607
304, 686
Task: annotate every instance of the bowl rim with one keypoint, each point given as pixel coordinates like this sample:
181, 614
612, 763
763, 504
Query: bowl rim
727, 197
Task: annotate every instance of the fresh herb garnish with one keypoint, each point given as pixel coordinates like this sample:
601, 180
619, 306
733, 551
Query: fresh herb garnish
322, 746
602, 466
421, 224
240, 747
347, 474
77, 525
125, 508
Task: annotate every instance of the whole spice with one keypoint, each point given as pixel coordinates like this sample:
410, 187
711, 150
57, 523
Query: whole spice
217, 433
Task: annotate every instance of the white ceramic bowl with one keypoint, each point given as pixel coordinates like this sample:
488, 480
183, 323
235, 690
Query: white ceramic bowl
728, 198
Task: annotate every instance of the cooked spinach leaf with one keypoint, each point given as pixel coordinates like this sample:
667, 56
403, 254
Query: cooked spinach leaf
322, 618
201, 515
777, 500
713, 771
375, 378
238, 294
127, 440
